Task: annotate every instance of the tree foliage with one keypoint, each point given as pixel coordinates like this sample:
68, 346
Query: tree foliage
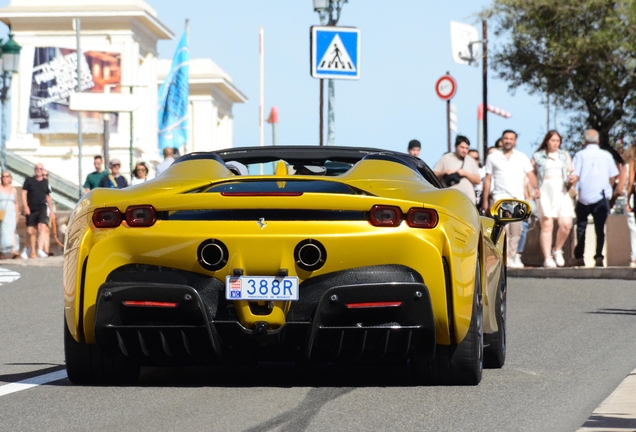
582, 52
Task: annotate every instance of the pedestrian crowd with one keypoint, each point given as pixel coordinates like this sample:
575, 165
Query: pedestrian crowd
37, 204
563, 190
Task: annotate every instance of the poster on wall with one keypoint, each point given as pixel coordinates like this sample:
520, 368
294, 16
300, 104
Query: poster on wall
53, 79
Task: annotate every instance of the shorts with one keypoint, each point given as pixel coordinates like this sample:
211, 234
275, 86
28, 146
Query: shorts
38, 217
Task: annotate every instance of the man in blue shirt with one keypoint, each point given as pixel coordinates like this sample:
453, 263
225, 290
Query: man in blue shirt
595, 171
115, 179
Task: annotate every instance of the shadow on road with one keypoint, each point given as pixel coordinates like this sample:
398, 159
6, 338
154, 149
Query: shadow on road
603, 423
610, 311
283, 375
9, 378
298, 418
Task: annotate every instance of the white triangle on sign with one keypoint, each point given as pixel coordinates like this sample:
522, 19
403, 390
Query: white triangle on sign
336, 57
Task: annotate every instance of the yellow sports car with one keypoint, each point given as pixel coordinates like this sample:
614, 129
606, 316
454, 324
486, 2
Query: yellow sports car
294, 253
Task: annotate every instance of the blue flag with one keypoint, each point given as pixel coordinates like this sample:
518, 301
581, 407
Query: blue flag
173, 100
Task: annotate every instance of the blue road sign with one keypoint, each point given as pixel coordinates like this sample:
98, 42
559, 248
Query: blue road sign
335, 52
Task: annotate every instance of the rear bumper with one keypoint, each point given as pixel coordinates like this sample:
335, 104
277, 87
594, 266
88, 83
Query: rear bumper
190, 322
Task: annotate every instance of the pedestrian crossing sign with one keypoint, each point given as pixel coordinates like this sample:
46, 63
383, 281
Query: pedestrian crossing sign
335, 52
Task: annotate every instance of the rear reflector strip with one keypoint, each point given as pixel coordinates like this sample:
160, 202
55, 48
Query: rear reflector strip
261, 194
373, 305
150, 304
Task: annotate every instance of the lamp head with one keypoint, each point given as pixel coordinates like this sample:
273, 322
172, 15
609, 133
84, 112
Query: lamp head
321, 5
11, 55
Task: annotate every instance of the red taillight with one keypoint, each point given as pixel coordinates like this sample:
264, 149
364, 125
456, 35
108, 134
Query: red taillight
109, 217
374, 304
139, 303
422, 218
141, 216
385, 216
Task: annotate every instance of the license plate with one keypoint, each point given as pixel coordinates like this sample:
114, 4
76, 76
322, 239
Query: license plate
261, 288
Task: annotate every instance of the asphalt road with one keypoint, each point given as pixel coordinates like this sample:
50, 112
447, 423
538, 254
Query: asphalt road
571, 342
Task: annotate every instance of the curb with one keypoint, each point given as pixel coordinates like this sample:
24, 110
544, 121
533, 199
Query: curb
53, 261
617, 412
625, 273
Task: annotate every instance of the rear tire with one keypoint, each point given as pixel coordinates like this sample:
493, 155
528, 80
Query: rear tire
460, 364
85, 364
495, 343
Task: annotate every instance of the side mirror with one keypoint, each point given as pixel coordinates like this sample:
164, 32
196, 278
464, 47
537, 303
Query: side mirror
510, 210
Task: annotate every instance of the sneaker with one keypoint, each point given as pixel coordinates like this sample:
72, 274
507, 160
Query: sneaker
599, 262
42, 254
577, 262
516, 262
558, 258
24, 254
549, 263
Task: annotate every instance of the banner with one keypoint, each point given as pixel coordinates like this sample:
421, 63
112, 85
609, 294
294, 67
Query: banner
173, 100
54, 77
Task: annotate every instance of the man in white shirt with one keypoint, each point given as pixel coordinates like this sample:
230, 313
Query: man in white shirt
508, 168
595, 171
168, 159
462, 168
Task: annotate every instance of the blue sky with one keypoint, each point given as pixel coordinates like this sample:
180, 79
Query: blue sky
405, 49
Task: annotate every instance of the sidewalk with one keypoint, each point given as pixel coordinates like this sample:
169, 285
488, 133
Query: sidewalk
52, 261
625, 273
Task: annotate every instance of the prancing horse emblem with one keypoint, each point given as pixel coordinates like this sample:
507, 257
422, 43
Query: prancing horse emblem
261, 223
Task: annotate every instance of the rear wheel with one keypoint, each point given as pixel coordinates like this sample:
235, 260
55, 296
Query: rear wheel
495, 343
85, 364
457, 364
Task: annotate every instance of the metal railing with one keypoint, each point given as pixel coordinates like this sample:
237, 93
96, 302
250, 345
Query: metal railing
65, 193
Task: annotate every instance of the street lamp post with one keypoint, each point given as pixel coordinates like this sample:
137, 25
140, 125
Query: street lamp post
9, 63
328, 9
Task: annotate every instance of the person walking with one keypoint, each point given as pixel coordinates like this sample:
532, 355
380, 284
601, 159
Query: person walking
36, 197
626, 188
94, 179
168, 159
507, 168
458, 170
140, 173
9, 241
553, 167
115, 180
595, 171
414, 148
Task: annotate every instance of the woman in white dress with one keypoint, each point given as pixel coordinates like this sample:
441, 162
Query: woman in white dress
553, 167
9, 243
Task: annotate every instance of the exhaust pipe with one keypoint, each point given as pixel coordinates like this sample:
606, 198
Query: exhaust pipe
310, 255
212, 254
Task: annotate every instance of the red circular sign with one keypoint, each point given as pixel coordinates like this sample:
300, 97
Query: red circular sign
445, 87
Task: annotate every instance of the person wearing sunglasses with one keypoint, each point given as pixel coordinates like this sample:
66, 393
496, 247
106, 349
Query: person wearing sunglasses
38, 207
140, 173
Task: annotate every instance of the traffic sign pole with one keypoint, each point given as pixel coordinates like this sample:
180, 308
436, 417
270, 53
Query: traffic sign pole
445, 87
448, 126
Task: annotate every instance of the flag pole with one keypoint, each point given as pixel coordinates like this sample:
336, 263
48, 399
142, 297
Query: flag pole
262, 87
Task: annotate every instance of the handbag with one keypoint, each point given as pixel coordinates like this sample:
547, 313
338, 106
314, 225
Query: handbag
2, 214
453, 178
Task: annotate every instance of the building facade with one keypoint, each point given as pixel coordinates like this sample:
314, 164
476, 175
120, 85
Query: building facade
119, 54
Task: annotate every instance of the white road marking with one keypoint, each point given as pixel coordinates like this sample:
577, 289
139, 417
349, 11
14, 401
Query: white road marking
8, 276
32, 382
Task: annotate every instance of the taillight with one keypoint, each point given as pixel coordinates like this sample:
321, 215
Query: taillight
141, 216
385, 216
109, 217
421, 218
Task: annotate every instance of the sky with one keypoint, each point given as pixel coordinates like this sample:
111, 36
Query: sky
406, 47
